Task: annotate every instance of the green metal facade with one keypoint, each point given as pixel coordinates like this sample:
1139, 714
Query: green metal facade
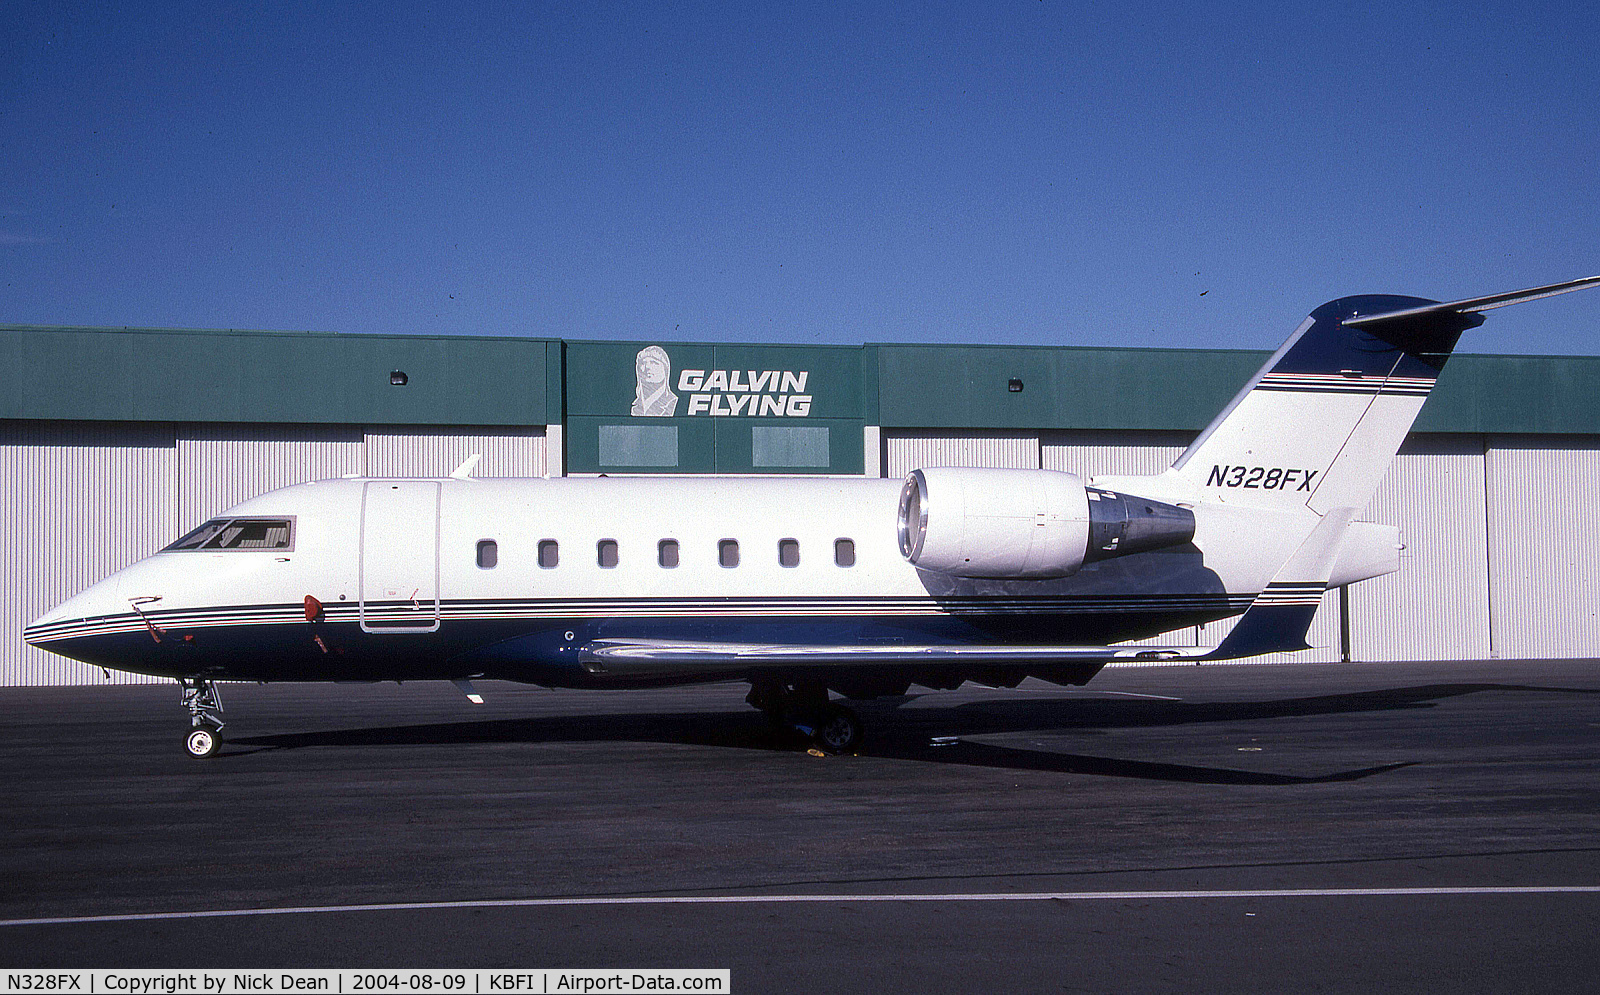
144, 374
1061, 388
1182, 390
726, 408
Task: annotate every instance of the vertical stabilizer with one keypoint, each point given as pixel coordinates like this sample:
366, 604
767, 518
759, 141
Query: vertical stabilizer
1318, 425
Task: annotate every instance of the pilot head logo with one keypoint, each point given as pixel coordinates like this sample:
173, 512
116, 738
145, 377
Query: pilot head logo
652, 395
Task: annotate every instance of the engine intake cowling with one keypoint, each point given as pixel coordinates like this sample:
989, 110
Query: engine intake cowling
983, 522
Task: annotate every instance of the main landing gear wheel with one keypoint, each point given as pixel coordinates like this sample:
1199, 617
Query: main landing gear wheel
805, 709
203, 742
838, 729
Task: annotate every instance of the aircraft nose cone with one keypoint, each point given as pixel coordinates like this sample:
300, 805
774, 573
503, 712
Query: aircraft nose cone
34, 632
47, 627
47, 630
61, 621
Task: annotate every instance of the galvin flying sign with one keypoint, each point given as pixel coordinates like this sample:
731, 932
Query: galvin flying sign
718, 393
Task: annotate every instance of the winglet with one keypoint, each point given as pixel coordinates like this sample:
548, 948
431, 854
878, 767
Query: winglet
1280, 617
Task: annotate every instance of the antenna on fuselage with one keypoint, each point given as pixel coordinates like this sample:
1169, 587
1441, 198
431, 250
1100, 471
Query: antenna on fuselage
464, 471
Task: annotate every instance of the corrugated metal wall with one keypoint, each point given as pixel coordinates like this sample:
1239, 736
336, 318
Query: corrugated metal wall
221, 465
1544, 559
1091, 453
1085, 453
84, 499
1437, 606
907, 450
435, 452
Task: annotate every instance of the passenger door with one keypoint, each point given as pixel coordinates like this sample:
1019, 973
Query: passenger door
400, 556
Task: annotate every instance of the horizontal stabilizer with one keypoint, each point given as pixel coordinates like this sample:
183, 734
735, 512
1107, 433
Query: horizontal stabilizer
1472, 305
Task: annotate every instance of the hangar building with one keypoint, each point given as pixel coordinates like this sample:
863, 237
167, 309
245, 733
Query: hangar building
115, 441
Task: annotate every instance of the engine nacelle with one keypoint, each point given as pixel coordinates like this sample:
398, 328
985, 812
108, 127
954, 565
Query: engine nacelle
981, 522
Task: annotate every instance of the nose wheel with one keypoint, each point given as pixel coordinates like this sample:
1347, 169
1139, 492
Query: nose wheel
203, 742
200, 697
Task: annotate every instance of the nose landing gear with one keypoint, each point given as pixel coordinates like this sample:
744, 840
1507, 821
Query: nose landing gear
200, 697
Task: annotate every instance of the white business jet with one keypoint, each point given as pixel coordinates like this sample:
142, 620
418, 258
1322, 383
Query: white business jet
800, 586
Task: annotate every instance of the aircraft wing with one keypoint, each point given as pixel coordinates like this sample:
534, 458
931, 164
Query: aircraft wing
1277, 621
659, 657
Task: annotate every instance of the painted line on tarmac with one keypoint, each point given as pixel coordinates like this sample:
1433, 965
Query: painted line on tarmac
1028, 896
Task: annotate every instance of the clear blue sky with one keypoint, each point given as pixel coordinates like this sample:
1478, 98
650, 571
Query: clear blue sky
1194, 175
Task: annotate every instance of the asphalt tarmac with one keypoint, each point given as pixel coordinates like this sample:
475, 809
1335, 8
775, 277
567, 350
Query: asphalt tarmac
1331, 828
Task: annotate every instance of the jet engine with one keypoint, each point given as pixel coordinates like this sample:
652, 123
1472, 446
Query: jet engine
981, 522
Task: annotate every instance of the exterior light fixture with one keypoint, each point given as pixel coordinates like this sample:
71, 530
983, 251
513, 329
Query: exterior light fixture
1014, 385
398, 378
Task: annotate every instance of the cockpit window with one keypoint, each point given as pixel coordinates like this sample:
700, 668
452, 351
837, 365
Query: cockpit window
238, 533
197, 538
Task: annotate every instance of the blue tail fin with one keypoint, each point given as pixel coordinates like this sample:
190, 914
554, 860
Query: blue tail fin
1319, 424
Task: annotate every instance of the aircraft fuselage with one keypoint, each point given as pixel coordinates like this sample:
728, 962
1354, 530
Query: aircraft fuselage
408, 590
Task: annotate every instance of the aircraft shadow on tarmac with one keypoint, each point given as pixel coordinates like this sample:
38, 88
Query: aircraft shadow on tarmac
933, 735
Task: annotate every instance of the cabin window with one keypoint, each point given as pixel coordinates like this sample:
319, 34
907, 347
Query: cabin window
238, 533
844, 552
728, 552
667, 553
606, 553
549, 554
788, 552
488, 554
